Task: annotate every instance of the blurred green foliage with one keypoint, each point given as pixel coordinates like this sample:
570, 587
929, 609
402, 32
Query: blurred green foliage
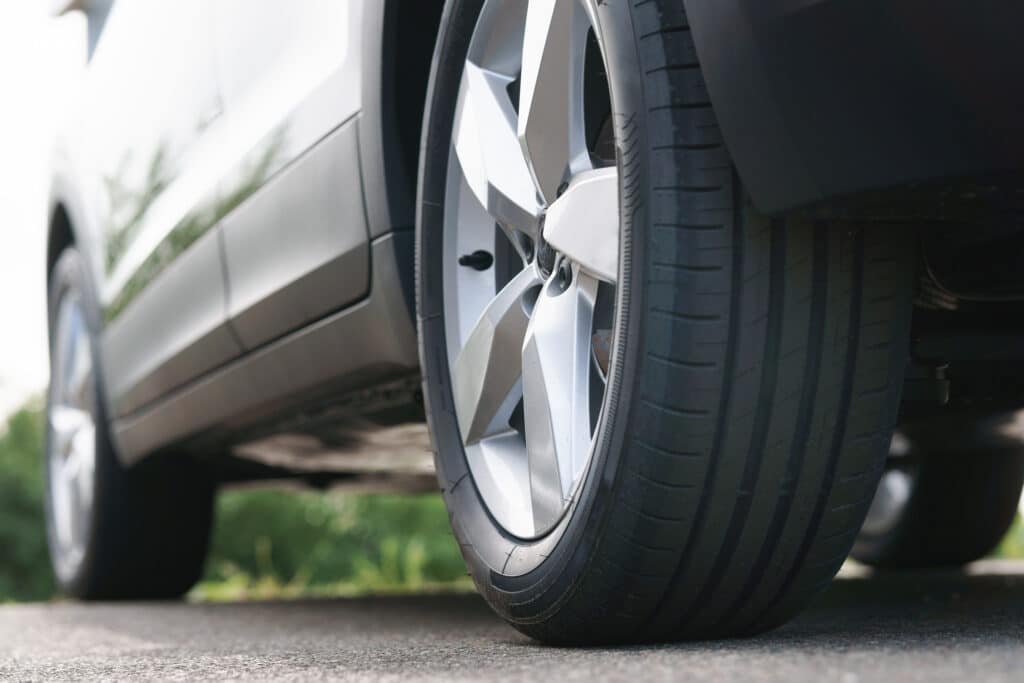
266, 543
270, 543
24, 565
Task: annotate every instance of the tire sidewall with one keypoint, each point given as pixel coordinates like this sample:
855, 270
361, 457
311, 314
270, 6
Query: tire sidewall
526, 581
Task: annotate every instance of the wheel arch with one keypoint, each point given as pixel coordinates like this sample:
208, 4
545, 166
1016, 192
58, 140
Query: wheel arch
811, 118
394, 106
60, 235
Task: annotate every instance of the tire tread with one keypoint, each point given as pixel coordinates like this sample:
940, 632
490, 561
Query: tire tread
771, 376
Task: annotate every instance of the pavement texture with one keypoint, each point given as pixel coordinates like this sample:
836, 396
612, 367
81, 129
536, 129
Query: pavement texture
905, 627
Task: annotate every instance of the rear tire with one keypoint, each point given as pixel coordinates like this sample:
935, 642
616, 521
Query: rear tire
143, 532
755, 384
963, 477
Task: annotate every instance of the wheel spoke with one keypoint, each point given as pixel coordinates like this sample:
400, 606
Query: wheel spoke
528, 375
489, 153
547, 92
73, 362
66, 422
486, 376
73, 459
556, 375
77, 383
61, 505
71, 446
583, 224
81, 463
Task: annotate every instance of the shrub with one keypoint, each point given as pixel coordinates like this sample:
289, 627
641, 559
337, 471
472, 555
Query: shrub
271, 542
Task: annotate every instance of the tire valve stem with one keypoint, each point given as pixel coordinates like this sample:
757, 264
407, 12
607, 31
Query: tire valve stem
478, 260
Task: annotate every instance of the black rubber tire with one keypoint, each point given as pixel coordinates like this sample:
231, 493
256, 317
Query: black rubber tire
749, 410
967, 475
150, 523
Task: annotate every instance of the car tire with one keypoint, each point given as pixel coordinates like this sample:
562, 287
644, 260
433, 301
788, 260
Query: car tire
950, 499
756, 382
114, 532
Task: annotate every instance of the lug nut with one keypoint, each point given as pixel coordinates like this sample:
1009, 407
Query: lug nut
564, 275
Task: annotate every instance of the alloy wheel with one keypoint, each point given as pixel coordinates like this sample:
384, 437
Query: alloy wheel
531, 256
71, 444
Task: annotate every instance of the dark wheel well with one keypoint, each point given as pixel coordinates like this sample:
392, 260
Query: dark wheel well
410, 33
60, 237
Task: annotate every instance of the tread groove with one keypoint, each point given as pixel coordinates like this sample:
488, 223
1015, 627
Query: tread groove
853, 344
681, 363
721, 426
762, 420
798, 447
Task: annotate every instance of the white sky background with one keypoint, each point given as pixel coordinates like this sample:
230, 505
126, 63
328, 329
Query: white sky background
40, 63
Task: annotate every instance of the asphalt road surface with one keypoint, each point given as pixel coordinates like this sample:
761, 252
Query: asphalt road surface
912, 627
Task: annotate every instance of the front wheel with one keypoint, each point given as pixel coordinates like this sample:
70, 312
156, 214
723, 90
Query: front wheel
656, 413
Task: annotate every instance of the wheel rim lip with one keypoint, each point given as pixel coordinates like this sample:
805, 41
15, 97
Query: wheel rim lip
71, 440
497, 465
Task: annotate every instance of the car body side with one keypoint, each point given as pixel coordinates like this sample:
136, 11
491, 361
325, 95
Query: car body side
241, 181
233, 217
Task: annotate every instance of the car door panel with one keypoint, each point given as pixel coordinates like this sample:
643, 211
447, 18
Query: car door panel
150, 101
373, 340
298, 249
296, 240
288, 72
157, 346
149, 124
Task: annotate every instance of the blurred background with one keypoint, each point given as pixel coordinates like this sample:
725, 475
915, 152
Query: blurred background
267, 543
